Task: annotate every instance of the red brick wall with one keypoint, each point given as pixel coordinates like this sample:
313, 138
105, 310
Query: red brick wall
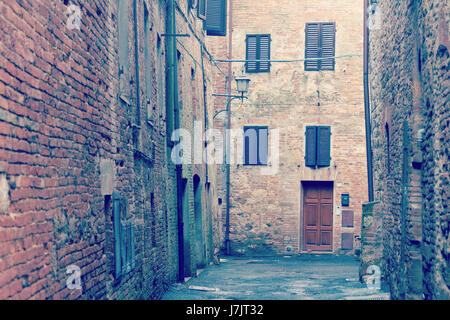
60, 121
266, 210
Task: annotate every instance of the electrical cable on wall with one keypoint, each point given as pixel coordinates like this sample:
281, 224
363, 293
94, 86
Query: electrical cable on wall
293, 60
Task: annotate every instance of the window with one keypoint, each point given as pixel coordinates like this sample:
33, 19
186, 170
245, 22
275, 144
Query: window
201, 9
388, 150
122, 26
317, 146
123, 35
258, 48
148, 66
255, 145
216, 18
123, 238
320, 43
161, 73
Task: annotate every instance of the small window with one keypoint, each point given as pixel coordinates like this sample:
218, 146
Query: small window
124, 250
258, 48
148, 66
201, 9
388, 150
216, 18
320, 43
255, 145
317, 146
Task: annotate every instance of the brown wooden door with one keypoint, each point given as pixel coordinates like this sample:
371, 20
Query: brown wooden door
318, 216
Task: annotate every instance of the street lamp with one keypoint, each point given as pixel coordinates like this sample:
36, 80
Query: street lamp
242, 84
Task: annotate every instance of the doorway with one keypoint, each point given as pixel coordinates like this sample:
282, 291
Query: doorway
199, 243
186, 252
317, 215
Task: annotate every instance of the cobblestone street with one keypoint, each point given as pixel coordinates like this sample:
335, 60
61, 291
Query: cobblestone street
305, 277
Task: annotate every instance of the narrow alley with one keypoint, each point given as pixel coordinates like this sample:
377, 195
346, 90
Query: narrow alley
224, 149
307, 277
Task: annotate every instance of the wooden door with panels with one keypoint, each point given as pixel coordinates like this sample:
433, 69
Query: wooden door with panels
317, 215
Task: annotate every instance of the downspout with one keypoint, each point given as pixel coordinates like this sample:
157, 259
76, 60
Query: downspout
172, 110
367, 103
205, 109
137, 125
228, 147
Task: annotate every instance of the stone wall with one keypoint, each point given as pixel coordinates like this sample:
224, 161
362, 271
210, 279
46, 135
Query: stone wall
409, 109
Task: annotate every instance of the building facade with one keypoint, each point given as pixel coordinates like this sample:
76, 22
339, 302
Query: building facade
299, 178
407, 230
92, 204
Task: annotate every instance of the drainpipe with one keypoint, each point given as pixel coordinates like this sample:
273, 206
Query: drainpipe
205, 109
137, 125
172, 111
230, 57
367, 103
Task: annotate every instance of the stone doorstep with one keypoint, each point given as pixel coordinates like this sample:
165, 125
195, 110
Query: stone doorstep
381, 296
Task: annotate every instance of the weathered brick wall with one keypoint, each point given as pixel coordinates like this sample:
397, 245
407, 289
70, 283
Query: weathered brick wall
434, 24
266, 214
220, 85
72, 132
371, 244
195, 82
406, 73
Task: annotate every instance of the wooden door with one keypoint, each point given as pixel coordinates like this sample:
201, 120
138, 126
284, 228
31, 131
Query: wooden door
317, 215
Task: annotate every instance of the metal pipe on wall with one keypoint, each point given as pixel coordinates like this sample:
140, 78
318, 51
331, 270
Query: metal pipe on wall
173, 122
136, 57
367, 104
230, 57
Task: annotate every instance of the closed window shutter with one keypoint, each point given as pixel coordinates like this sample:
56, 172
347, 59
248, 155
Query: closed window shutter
312, 46
264, 53
246, 149
216, 14
323, 146
201, 9
258, 48
327, 39
310, 152
117, 236
252, 54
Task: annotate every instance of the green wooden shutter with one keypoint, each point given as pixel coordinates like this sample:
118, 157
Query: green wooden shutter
312, 46
201, 9
327, 45
117, 235
132, 227
323, 146
216, 18
258, 48
264, 53
310, 148
252, 54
